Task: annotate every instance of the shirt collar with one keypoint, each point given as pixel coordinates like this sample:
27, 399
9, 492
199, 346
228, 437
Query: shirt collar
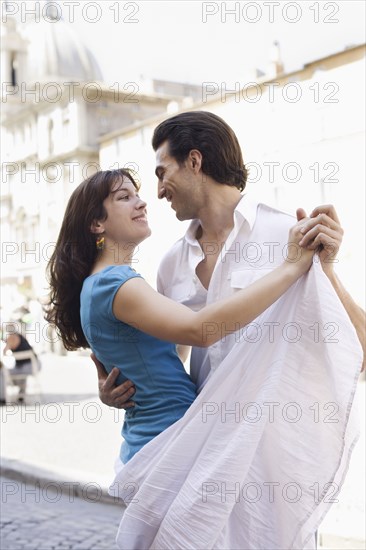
191, 232
246, 208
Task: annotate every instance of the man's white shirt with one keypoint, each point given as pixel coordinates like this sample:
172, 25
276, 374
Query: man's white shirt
256, 245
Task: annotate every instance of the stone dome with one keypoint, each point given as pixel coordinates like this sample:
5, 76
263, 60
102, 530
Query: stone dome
56, 53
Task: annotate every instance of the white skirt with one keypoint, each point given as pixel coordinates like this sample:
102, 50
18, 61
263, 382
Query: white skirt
259, 457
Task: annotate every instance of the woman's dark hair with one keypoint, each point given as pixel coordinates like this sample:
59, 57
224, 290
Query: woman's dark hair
75, 254
222, 158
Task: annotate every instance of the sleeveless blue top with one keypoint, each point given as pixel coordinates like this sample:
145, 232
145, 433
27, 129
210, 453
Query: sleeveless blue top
164, 391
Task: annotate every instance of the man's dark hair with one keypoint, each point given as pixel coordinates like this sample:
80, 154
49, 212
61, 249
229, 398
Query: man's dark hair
222, 158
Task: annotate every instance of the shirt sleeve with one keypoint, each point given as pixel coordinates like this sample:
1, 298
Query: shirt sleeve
165, 270
109, 285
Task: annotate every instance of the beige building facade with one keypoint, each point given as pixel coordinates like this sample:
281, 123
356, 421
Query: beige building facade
55, 108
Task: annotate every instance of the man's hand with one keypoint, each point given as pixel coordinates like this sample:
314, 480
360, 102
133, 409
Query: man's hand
109, 393
323, 233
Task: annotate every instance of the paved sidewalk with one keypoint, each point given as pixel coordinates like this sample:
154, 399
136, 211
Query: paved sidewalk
66, 435
40, 518
65, 430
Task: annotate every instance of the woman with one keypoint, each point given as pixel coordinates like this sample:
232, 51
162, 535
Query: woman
99, 301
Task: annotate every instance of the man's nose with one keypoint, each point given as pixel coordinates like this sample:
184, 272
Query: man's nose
161, 190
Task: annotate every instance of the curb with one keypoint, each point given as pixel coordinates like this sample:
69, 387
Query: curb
328, 541
47, 481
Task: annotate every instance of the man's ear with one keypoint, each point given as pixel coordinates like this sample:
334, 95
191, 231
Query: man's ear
97, 227
195, 160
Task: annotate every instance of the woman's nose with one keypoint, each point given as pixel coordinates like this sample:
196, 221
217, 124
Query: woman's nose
141, 204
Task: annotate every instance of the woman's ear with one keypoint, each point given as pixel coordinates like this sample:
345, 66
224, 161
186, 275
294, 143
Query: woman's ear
96, 227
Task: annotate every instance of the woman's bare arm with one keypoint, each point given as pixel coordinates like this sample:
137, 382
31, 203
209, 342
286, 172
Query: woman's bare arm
137, 304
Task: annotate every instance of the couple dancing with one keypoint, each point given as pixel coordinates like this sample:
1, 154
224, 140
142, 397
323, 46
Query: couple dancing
247, 450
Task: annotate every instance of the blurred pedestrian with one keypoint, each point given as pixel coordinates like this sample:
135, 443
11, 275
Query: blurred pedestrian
16, 342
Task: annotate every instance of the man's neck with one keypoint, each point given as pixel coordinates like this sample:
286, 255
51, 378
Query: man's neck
217, 216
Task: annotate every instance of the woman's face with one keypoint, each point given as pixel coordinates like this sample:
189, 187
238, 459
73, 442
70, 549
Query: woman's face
126, 222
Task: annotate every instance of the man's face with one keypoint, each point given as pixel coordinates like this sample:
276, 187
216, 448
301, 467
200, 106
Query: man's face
177, 184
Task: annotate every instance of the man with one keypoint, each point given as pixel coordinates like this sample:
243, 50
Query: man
230, 241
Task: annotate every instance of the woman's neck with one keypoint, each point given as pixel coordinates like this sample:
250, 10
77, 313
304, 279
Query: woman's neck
112, 256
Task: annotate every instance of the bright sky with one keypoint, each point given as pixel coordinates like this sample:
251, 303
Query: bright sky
170, 39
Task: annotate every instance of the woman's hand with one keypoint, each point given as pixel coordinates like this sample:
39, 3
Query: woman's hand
323, 233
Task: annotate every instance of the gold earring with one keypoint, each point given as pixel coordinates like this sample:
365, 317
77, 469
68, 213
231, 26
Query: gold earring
100, 243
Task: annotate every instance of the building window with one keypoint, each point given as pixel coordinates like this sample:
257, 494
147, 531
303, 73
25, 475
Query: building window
50, 137
66, 124
28, 133
13, 69
66, 129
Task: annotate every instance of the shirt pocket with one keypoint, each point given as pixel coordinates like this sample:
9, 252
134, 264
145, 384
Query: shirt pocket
245, 277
